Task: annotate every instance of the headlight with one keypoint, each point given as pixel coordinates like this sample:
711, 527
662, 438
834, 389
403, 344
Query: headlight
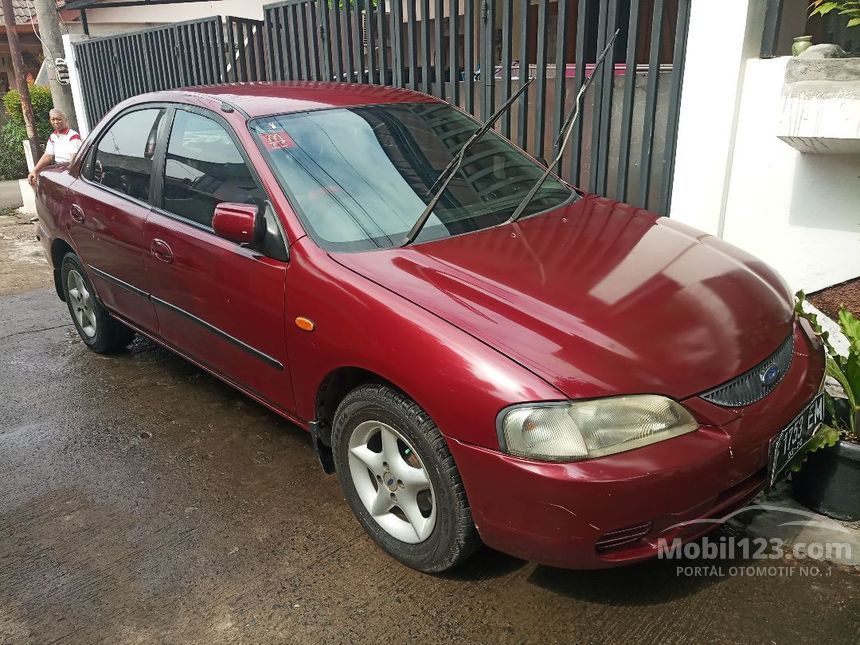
570, 431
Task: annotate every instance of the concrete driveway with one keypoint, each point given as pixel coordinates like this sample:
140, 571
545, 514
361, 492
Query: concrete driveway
10, 194
141, 500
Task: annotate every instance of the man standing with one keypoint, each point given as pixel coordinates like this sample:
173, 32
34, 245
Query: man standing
62, 145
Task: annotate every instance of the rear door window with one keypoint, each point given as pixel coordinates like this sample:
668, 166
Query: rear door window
123, 156
203, 168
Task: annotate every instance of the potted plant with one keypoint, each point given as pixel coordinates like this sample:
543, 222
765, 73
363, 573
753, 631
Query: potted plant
826, 477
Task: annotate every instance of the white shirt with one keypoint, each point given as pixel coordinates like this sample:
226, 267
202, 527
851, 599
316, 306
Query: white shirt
63, 145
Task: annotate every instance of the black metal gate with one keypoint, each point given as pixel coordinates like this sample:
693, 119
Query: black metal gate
198, 52
475, 53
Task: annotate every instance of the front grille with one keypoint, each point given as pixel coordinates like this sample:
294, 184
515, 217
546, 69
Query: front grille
752, 386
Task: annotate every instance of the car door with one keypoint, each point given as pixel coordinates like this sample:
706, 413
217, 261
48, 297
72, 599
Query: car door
217, 301
108, 208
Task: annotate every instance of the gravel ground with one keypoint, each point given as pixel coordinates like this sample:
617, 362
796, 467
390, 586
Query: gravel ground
831, 299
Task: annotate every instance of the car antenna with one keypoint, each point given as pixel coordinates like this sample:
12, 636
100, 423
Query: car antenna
564, 133
453, 166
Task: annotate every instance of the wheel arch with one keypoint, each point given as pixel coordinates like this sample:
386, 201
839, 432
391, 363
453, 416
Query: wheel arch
59, 249
329, 393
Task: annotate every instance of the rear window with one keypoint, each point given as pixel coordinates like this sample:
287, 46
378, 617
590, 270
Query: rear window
360, 177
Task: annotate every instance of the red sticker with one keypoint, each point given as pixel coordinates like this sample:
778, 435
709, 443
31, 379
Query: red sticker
277, 140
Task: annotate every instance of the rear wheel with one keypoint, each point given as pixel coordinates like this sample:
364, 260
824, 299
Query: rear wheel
400, 479
99, 331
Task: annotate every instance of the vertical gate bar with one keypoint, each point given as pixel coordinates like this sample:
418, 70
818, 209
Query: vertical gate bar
232, 49
325, 38
157, 42
358, 34
100, 58
382, 51
205, 51
190, 36
80, 61
579, 79
678, 57
396, 38
488, 60
269, 44
247, 59
370, 26
291, 43
216, 58
772, 19
540, 83
650, 104
148, 72
627, 107
299, 31
453, 49
411, 40
338, 47
350, 43
439, 66
598, 86
525, 71
606, 82
507, 62
179, 53
314, 37
209, 51
425, 46
220, 56
560, 69
118, 80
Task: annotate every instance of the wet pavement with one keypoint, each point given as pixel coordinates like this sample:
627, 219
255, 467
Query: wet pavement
141, 500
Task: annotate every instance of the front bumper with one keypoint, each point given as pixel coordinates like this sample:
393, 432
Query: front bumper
612, 510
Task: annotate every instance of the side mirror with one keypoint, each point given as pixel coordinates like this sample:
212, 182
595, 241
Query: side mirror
241, 223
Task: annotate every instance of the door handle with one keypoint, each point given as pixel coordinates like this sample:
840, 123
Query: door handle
161, 251
77, 214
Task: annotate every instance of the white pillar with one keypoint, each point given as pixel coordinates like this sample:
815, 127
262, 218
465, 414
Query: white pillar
75, 83
722, 36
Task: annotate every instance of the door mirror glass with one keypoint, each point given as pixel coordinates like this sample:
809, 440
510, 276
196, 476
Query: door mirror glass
241, 223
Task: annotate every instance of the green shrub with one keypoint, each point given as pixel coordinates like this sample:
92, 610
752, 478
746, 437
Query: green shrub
40, 97
13, 164
12, 161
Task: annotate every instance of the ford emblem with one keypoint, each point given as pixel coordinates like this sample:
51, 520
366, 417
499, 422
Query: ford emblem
770, 376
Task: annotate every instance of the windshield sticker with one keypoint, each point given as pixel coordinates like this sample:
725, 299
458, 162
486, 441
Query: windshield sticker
277, 140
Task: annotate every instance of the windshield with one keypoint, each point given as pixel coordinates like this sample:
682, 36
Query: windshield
361, 176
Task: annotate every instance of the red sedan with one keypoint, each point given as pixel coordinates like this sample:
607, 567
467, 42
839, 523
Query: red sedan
568, 387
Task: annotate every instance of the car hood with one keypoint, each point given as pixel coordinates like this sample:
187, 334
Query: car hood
598, 298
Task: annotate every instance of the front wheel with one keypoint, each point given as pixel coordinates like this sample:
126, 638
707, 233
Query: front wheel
400, 479
99, 331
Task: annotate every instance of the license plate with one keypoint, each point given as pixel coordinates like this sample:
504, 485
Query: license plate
785, 445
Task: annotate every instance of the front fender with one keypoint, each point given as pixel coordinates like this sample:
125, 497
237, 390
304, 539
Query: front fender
460, 381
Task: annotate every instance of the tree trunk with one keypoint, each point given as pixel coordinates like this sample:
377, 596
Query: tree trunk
21, 78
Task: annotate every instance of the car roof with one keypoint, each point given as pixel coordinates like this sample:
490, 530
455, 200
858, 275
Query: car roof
263, 99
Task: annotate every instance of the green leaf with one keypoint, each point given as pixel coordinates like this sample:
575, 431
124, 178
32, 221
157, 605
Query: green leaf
851, 328
854, 22
825, 437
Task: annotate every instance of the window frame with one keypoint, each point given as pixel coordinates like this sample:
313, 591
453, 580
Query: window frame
161, 161
93, 149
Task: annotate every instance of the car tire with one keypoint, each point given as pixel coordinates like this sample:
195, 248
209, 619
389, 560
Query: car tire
408, 496
99, 331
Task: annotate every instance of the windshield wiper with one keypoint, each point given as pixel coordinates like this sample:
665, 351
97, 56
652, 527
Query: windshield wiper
453, 166
564, 133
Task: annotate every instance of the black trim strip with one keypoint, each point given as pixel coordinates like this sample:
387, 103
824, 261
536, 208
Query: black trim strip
119, 283
256, 353
272, 362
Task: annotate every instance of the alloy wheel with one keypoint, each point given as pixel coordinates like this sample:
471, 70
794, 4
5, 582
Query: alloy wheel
81, 302
392, 482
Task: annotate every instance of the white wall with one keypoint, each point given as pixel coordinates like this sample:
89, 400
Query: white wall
178, 12
734, 178
798, 212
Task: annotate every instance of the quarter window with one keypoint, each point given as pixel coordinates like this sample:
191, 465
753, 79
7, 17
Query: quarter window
203, 168
123, 157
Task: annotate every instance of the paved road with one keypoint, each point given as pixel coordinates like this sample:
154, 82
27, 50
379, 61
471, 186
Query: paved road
143, 501
10, 194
